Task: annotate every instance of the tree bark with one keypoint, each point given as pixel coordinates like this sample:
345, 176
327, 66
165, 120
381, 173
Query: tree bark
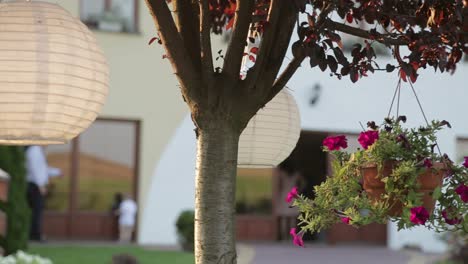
215, 194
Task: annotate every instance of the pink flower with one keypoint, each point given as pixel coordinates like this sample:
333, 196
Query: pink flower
335, 143
368, 138
419, 215
465, 163
292, 195
428, 163
345, 220
453, 221
462, 190
297, 238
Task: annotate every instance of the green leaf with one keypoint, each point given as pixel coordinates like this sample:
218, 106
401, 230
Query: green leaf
437, 193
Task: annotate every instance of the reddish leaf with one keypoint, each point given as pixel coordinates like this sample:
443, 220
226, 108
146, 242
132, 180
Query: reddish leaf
153, 39
251, 58
254, 50
414, 77
345, 70
332, 64
323, 65
230, 24
349, 18
403, 75
354, 75
390, 68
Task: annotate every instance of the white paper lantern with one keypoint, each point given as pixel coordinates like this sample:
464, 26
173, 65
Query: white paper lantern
53, 76
272, 134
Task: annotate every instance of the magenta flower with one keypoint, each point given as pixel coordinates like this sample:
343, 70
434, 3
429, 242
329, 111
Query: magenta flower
419, 215
462, 190
450, 221
345, 220
297, 238
465, 162
292, 195
335, 143
368, 138
428, 163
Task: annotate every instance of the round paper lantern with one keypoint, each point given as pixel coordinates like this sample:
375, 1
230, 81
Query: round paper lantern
272, 134
53, 76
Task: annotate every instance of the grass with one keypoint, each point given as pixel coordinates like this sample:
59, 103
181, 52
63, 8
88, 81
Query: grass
103, 254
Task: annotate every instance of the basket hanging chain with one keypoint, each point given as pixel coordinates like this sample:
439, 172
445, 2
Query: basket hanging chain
397, 93
424, 115
396, 96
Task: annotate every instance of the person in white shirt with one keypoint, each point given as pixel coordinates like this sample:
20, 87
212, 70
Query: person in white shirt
38, 174
127, 217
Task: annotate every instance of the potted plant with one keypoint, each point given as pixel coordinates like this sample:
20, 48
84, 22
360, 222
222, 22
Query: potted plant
186, 229
398, 175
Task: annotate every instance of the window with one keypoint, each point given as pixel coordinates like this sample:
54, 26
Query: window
104, 165
254, 191
462, 149
110, 15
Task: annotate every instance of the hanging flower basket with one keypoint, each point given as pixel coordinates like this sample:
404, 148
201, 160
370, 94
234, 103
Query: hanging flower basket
398, 175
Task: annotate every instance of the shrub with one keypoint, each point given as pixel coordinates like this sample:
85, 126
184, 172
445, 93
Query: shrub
186, 229
16, 209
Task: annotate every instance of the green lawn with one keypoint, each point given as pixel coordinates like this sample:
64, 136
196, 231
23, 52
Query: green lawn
103, 254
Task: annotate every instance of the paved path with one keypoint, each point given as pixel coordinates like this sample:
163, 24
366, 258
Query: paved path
324, 254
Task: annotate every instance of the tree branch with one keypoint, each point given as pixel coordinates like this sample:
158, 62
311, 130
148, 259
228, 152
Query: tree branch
275, 60
243, 18
178, 56
266, 42
206, 53
282, 38
187, 22
286, 75
382, 38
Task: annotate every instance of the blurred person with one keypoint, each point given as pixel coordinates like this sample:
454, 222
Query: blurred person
38, 174
114, 210
288, 178
127, 218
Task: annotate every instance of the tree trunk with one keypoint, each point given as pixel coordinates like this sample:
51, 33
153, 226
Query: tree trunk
215, 194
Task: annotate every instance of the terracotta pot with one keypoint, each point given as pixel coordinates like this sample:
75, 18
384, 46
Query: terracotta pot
428, 180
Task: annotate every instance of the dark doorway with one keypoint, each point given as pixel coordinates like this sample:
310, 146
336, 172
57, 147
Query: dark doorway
310, 162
